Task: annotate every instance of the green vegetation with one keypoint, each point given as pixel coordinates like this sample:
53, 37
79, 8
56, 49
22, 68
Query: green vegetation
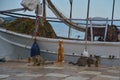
27, 26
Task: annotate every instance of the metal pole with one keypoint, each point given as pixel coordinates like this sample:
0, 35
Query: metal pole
14, 10
88, 7
113, 11
71, 1
44, 10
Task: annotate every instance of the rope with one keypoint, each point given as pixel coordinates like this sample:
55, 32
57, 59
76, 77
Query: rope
37, 23
37, 27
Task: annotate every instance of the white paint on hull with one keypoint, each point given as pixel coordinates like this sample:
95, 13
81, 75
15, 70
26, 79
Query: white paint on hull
13, 40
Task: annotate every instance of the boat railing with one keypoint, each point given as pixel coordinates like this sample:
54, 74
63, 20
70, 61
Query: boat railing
99, 24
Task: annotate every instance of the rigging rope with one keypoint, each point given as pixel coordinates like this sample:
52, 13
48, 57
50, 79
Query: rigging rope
64, 19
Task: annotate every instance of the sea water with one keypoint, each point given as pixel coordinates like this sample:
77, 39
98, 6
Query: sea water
62, 29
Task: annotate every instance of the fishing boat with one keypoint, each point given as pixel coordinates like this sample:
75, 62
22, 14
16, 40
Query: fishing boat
16, 45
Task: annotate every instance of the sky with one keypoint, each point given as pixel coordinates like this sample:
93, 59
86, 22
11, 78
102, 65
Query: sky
98, 8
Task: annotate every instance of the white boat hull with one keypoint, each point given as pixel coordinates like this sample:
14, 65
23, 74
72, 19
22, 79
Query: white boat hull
18, 46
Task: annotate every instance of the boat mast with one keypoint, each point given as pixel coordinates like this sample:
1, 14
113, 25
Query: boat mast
113, 11
71, 1
86, 34
44, 10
